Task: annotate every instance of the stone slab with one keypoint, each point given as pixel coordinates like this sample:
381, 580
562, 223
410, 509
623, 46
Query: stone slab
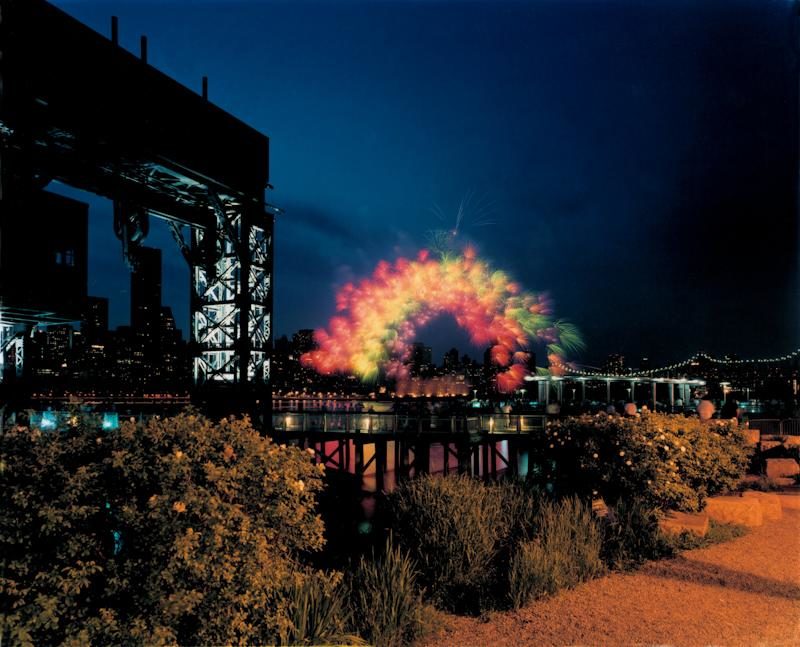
749, 479
753, 436
789, 500
735, 509
782, 467
770, 504
677, 522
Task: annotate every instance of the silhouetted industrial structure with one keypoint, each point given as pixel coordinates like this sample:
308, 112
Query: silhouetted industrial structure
77, 108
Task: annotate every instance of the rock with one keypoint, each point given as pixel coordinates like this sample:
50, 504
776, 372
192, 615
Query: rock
792, 441
782, 467
766, 445
770, 504
735, 509
750, 480
677, 522
630, 409
789, 500
753, 436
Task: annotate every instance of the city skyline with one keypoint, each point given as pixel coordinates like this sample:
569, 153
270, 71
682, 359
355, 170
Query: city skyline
658, 219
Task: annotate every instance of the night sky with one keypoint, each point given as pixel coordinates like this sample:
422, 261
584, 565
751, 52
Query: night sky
638, 160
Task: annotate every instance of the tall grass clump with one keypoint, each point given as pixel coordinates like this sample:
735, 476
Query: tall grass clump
565, 551
451, 528
632, 535
317, 613
385, 602
518, 516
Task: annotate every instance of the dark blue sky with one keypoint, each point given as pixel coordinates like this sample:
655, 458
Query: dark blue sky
638, 159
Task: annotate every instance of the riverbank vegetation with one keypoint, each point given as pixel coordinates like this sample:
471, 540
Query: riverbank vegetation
184, 531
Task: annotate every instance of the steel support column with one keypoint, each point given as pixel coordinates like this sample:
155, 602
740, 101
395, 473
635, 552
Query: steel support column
232, 301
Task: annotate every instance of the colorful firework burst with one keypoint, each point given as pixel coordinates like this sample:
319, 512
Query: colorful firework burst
379, 317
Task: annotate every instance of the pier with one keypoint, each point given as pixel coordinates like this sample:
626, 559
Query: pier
386, 448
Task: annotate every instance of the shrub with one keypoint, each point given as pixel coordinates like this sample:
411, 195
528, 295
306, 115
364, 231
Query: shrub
317, 612
451, 527
54, 538
631, 535
518, 512
385, 603
668, 461
178, 531
717, 533
565, 552
479, 545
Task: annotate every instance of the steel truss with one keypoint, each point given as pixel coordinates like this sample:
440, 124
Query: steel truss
232, 295
12, 350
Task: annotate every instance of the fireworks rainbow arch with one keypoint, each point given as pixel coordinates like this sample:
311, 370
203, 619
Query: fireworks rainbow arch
378, 318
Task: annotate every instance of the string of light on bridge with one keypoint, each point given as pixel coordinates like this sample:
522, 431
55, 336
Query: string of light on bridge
571, 370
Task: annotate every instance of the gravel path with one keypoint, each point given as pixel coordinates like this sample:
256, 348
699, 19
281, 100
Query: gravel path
744, 592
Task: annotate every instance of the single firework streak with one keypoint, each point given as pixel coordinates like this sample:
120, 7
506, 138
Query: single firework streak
378, 318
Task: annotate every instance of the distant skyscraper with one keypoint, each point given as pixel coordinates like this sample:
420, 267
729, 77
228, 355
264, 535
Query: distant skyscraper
421, 359
129, 367
451, 363
95, 354
171, 347
303, 341
145, 317
95, 319
487, 358
49, 352
146, 292
615, 364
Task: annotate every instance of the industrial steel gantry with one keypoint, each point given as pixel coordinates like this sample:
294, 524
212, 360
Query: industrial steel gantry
78, 108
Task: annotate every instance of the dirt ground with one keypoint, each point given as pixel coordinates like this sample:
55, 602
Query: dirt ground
745, 592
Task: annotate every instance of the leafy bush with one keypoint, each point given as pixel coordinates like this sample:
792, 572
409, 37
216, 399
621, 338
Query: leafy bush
385, 603
632, 536
54, 538
565, 552
668, 461
451, 527
178, 531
